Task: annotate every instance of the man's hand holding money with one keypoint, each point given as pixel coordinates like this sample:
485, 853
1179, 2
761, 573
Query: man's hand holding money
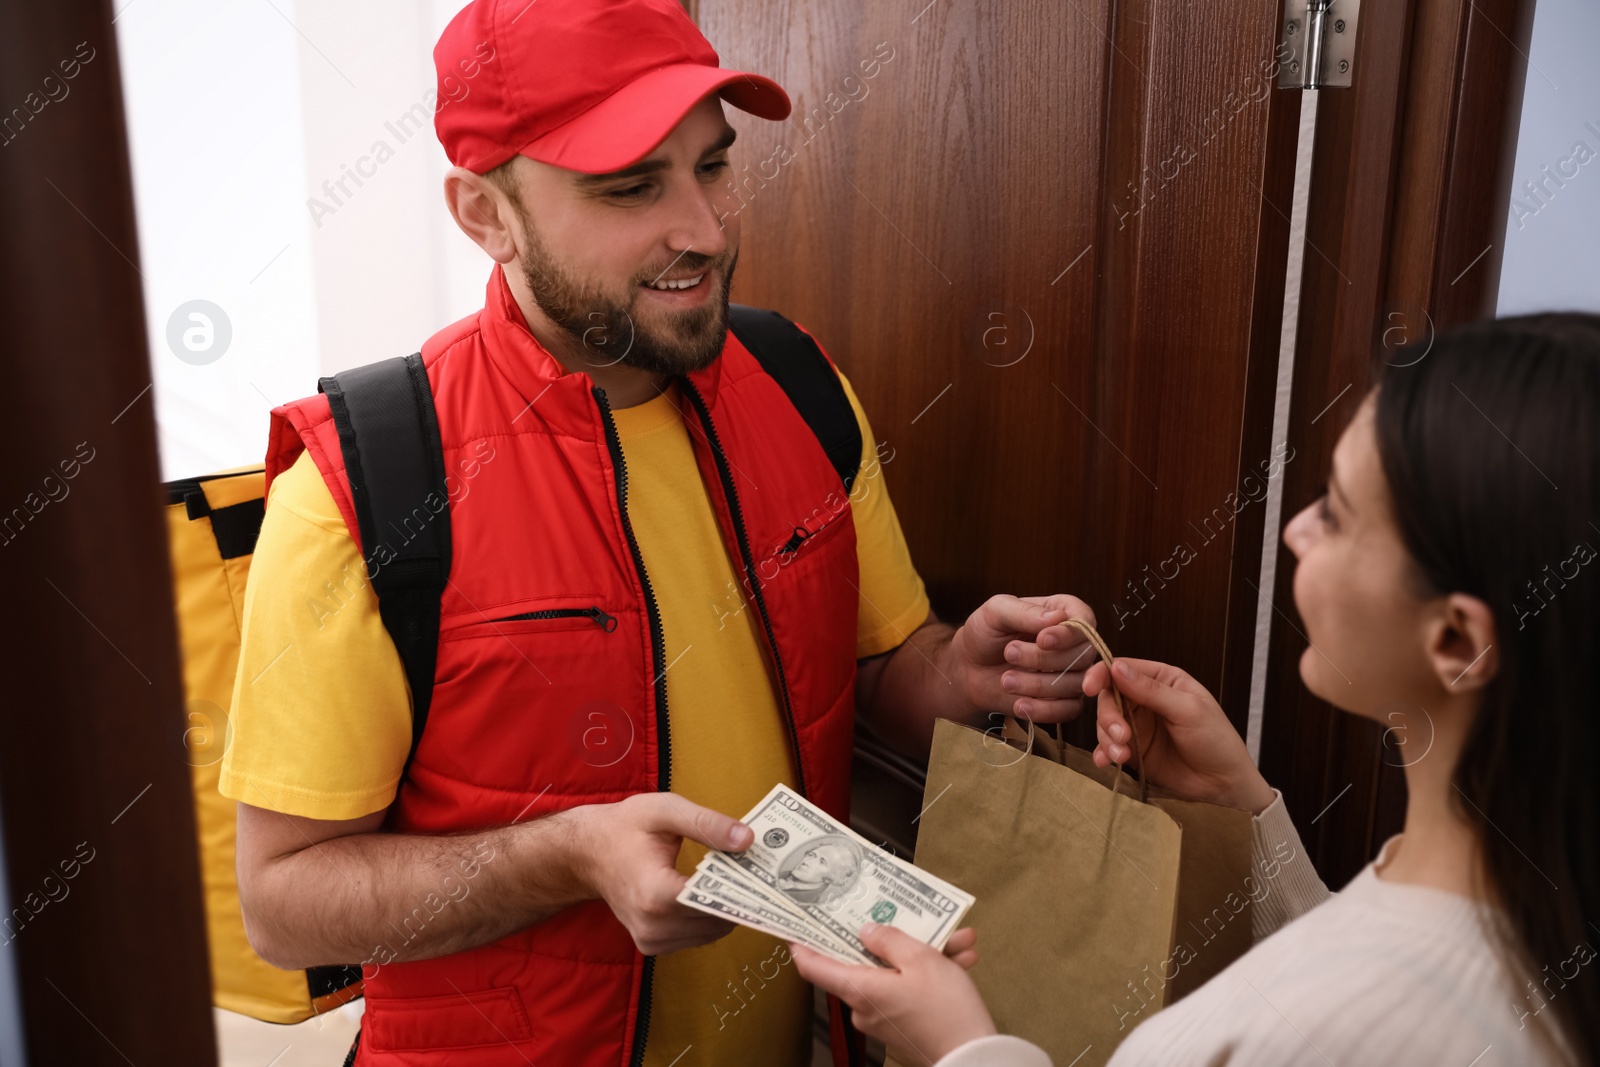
629, 850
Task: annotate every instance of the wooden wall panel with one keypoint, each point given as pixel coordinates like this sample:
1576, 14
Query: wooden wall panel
106, 930
1046, 242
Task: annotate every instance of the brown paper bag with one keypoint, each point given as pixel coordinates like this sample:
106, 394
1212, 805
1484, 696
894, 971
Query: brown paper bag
1099, 900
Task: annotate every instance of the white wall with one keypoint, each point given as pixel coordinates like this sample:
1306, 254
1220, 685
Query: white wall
1552, 249
237, 115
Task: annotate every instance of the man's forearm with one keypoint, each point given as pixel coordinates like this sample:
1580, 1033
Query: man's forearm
382, 897
914, 685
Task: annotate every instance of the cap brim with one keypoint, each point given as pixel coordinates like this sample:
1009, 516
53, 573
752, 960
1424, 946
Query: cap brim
623, 128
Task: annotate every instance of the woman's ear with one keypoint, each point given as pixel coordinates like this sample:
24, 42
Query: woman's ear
1461, 644
483, 212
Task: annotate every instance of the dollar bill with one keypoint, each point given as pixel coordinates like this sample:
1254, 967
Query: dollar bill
740, 882
731, 885
837, 879
710, 895
740, 889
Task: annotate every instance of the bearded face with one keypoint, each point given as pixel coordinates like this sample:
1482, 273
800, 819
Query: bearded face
636, 325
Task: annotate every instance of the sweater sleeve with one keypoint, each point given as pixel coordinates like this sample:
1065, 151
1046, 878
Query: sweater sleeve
1288, 885
996, 1050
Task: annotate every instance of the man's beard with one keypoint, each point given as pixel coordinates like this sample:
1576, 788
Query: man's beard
605, 332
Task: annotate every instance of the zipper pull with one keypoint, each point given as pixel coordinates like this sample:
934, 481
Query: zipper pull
606, 622
791, 546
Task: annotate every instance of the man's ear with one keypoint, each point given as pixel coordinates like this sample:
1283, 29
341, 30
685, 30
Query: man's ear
483, 212
1461, 644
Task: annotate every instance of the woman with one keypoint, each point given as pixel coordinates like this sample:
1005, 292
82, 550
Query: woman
1449, 587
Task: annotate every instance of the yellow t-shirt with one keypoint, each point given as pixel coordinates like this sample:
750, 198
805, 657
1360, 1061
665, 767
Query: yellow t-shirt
321, 717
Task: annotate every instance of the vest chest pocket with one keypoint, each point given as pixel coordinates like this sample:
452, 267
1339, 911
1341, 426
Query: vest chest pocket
589, 616
549, 691
550, 640
804, 540
595, 615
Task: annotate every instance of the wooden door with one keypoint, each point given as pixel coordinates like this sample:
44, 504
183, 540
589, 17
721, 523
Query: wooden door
1046, 241
1411, 175
103, 926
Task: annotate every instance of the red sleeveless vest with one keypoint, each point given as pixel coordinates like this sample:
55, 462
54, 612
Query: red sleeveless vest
550, 689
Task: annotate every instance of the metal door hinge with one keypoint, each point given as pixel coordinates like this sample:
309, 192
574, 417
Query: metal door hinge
1318, 47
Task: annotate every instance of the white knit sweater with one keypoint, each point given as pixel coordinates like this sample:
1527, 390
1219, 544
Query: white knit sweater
1381, 973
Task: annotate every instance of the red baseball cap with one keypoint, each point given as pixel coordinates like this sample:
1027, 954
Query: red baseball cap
588, 85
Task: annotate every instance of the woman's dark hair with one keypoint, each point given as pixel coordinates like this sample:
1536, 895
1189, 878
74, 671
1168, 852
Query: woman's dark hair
1491, 447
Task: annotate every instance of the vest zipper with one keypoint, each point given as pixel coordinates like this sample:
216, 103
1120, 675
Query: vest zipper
606, 622
641, 1029
731, 493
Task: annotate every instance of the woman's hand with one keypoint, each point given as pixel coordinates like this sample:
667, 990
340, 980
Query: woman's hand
923, 1006
1187, 743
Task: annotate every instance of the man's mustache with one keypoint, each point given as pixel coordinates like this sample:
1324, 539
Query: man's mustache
689, 263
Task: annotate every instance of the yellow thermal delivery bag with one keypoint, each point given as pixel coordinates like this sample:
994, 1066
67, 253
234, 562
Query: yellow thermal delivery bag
212, 524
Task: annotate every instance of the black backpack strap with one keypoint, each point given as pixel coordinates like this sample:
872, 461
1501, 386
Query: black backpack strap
394, 459
792, 358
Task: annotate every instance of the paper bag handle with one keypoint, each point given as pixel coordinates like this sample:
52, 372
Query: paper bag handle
1117, 698
1125, 706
